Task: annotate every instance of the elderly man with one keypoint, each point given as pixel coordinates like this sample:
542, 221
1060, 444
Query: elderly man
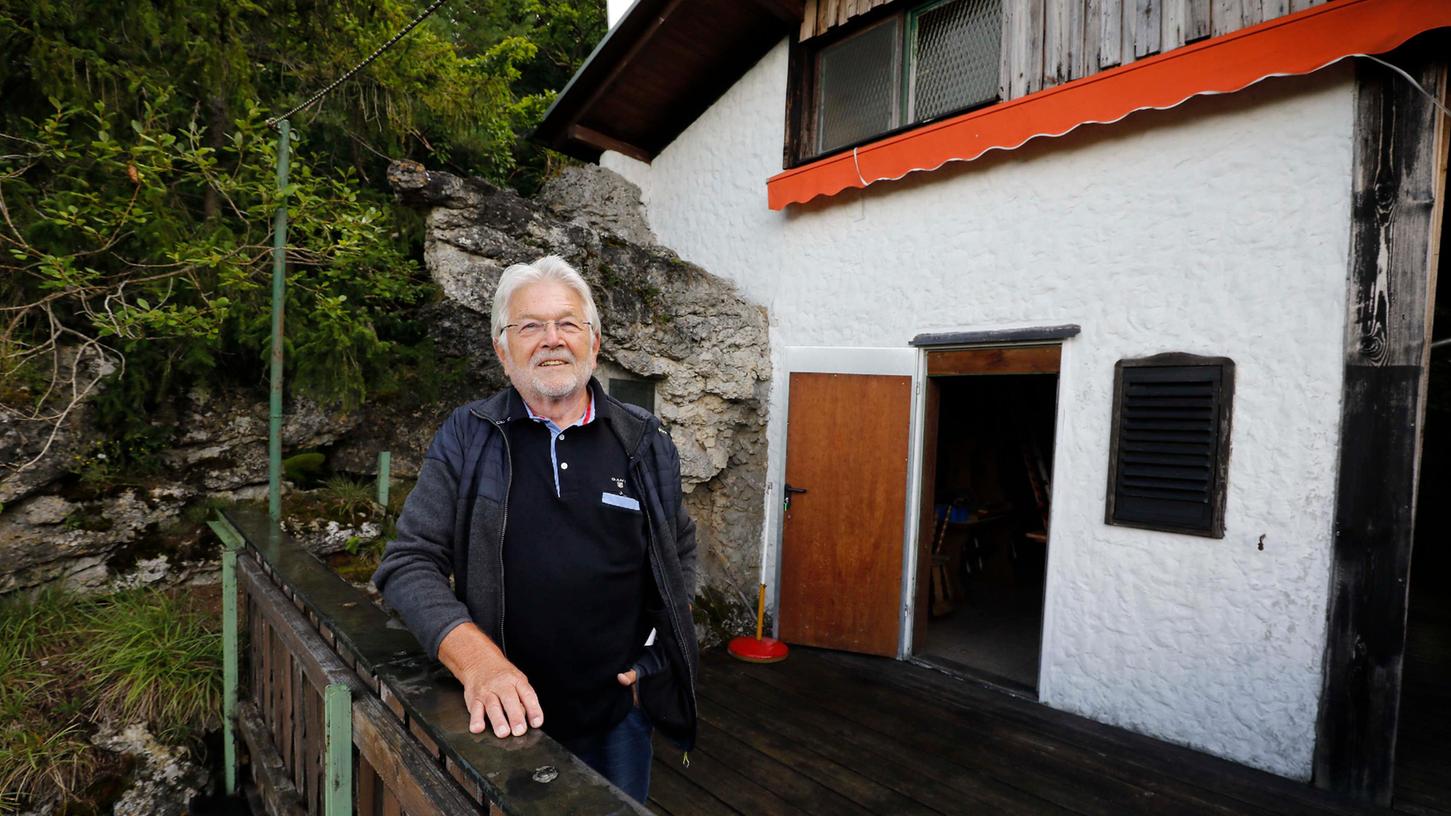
557, 511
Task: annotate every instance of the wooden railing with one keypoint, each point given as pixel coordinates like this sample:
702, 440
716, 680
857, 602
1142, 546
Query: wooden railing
338, 710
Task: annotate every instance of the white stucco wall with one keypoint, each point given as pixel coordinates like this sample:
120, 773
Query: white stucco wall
1218, 228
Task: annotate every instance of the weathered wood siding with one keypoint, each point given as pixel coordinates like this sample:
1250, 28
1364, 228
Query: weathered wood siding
1397, 202
1048, 42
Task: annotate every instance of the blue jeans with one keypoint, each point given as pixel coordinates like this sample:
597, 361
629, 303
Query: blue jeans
621, 754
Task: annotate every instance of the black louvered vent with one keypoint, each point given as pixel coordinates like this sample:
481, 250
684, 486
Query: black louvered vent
1171, 443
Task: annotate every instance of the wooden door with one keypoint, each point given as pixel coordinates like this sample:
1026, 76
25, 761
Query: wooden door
841, 548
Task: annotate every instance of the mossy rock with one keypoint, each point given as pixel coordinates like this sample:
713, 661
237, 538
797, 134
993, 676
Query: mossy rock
304, 468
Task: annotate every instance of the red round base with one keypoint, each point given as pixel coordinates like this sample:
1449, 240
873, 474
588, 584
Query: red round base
757, 650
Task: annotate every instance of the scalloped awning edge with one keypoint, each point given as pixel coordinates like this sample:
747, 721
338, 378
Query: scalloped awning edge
1299, 43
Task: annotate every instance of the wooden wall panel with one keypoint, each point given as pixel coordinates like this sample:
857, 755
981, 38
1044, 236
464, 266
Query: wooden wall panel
1226, 16
1058, 43
1102, 34
1023, 46
1012, 15
1147, 28
1174, 20
1397, 196
1198, 25
1270, 9
821, 16
1035, 11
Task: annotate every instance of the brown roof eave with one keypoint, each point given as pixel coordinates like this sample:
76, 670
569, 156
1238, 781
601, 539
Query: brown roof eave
572, 126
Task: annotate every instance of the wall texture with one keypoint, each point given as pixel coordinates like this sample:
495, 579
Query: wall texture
1218, 228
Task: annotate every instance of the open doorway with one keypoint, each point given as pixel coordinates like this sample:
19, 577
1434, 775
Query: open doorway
982, 550
1423, 750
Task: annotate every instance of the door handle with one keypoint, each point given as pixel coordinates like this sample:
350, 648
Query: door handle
790, 491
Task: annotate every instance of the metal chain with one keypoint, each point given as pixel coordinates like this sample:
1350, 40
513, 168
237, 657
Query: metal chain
360, 66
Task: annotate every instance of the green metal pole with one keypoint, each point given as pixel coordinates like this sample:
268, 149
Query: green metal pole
338, 750
231, 543
385, 461
279, 280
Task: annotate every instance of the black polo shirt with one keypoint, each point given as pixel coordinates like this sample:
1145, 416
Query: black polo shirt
575, 571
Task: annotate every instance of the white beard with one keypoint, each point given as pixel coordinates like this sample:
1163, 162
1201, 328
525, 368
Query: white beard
536, 383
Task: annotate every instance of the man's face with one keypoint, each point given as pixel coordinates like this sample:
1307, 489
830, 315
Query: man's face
551, 364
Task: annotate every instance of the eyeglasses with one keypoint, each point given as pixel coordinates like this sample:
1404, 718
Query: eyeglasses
566, 326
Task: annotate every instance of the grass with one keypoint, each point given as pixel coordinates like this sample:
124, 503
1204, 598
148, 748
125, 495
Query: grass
69, 662
353, 500
153, 659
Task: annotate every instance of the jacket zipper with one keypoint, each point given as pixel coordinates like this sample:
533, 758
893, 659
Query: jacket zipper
664, 585
503, 522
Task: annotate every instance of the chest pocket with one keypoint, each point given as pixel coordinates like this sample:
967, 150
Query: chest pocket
486, 468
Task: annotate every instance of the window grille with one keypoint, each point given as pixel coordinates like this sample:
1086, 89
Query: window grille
955, 56
1170, 443
915, 64
857, 87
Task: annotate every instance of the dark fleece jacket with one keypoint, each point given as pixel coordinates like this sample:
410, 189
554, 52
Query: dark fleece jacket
452, 527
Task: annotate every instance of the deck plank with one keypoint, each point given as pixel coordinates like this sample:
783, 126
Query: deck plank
1137, 757
671, 793
889, 759
829, 732
1026, 760
863, 794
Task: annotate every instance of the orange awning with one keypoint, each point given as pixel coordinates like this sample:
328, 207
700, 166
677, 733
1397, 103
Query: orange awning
1300, 43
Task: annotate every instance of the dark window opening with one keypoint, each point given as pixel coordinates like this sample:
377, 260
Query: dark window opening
635, 392
1169, 450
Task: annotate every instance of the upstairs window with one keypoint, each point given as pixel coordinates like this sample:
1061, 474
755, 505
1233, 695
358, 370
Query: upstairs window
1169, 451
902, 65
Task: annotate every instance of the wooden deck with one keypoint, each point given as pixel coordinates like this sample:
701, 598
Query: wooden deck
831, 733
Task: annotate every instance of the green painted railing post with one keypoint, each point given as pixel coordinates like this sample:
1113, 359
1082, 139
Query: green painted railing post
385, 461
338, 751
279, 279
231, 543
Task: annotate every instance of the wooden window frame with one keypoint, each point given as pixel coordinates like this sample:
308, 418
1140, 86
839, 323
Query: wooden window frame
1220, 465
803, 91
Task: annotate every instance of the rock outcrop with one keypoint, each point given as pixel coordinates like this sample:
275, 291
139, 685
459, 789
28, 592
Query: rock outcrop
691, 335
57, 528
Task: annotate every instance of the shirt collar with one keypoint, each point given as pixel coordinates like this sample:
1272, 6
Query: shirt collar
589, 412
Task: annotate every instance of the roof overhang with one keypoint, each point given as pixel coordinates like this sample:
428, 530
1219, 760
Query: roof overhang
658, 69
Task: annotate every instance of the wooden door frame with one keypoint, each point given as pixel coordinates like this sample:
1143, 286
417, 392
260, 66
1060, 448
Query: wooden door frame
898, 362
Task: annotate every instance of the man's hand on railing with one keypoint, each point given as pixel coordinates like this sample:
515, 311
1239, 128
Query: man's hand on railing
493, 687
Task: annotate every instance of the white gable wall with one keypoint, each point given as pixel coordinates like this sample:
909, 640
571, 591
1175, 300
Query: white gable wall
1218, 228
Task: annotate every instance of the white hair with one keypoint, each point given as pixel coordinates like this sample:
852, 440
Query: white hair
548, 268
